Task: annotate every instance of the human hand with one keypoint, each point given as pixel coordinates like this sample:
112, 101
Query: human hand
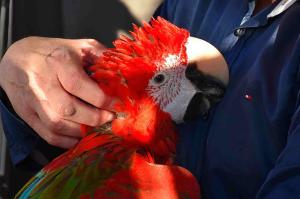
48, 88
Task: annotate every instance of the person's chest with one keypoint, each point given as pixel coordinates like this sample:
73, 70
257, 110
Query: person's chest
237, 145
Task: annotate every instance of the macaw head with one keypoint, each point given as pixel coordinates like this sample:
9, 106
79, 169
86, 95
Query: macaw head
160, 74
186, 83
184, 75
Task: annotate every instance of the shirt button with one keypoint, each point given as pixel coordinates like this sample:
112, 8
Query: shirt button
240, 32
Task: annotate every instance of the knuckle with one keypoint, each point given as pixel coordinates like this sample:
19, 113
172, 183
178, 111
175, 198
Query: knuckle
52, 139
66, 110
56, 126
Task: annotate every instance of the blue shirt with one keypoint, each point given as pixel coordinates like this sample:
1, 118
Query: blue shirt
249, 145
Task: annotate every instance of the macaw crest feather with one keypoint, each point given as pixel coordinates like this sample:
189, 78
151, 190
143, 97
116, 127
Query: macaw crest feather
137, 59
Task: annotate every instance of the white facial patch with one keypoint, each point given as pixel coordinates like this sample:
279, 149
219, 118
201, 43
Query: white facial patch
170, 89
171, 61
178, 106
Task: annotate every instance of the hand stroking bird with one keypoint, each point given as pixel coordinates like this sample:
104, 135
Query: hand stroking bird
161, 75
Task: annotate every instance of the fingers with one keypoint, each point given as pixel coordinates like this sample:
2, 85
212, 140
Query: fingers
51, 101
55, 123
70, 108
55, 139
74, 80
52, 138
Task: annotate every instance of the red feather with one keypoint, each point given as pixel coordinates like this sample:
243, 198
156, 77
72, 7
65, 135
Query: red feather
124, 72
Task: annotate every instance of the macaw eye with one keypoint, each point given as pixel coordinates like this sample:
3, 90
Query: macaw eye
159, 78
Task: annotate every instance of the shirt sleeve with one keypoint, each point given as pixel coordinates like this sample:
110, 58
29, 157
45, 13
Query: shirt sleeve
283, 181
20, 137
27, 150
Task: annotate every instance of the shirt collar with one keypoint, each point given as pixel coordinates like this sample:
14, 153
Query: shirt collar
262, 17
282, 6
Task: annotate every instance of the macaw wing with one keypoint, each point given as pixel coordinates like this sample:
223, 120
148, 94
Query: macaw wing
109, 170
144, 180
81, 170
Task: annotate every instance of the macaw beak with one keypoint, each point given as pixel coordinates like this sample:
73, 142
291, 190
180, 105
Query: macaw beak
208, 72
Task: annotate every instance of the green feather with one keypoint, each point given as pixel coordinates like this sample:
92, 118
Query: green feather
83, 175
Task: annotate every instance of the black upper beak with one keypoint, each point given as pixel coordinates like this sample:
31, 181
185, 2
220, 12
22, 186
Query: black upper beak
210, 91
